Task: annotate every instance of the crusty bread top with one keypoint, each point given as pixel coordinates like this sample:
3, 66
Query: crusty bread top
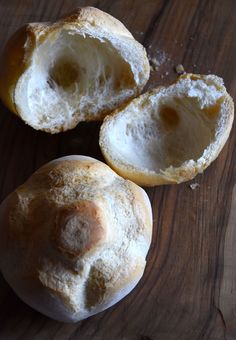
54, 75
78, 233
170, 134
95, 17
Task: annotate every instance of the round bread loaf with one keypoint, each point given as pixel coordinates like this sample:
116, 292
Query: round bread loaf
74, 237
55, 75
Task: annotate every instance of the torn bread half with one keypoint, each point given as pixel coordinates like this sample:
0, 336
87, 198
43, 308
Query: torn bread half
170, 134
80, 68
74, 238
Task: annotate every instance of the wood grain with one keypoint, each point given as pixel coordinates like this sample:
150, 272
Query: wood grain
188, 291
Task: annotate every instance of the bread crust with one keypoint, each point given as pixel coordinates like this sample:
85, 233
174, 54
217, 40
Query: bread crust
74, 237
20, 49
172, 174
14, 61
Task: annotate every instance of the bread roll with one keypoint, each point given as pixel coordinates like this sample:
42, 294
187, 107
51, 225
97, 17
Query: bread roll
169, 134
54, 75
74, 237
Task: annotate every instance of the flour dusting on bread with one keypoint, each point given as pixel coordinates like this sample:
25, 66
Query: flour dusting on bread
74, 238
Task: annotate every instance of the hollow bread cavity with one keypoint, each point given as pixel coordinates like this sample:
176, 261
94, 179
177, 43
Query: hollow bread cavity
168, 127
73, 77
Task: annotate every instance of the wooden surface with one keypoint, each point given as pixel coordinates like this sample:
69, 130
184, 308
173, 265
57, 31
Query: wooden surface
188, 291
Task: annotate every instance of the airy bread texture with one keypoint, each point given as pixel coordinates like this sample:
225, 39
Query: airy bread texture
74, 237
54, 75
170, 134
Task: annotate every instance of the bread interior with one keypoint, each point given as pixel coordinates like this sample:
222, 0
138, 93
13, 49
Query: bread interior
72, 75
166, 128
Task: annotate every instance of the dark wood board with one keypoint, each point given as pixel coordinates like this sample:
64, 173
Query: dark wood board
188, 291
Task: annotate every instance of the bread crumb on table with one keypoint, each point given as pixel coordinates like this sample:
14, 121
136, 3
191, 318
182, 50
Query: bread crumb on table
194, 186
159, 59
179, 69
154, 63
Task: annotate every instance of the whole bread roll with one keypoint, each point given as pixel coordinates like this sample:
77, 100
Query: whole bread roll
169, 134
74, 237
54, 75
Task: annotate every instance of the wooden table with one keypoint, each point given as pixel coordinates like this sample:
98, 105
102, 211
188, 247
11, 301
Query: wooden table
188, 291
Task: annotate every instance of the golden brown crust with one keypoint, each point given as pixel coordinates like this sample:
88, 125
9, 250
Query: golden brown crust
14, 61
79, 228
95, 17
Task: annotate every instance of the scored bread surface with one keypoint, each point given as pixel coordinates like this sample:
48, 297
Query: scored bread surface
74, 238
